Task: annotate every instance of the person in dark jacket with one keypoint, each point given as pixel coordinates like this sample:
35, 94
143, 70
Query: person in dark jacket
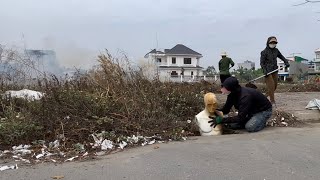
224, 66
254, 109
268, 62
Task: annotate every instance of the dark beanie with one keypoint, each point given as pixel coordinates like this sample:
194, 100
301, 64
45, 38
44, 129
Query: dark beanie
231, 84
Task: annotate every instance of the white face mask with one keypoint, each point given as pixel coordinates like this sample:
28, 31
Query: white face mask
272, 45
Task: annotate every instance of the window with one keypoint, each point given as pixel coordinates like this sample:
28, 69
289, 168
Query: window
174, 60
158, 60
174, 73
191, 73
317, 56
187, 60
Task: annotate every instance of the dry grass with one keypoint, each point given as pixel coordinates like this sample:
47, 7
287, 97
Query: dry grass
113, 97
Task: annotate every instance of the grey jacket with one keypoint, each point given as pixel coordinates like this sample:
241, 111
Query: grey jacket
268, 59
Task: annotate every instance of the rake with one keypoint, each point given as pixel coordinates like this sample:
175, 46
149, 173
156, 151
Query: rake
250, 83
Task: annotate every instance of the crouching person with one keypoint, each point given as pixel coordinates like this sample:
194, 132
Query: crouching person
202, 118
254, 109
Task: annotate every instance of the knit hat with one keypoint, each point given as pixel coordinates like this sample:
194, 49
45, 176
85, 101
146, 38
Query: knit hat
231, 84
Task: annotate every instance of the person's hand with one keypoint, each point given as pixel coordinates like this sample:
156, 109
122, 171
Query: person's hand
215, 121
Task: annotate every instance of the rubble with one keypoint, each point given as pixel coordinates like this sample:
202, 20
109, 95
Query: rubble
283, 119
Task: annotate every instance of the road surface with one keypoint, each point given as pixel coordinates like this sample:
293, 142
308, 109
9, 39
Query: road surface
276, 153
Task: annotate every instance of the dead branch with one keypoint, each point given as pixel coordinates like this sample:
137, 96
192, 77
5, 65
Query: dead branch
306, 2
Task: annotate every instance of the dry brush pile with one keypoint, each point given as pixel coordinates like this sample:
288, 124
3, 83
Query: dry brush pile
113, 97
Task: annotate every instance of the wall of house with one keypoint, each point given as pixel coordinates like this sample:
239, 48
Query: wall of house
180, 61
187, 72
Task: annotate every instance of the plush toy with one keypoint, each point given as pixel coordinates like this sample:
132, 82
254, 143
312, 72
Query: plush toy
202, 118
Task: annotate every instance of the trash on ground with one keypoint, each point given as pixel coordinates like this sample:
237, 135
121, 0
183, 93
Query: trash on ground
27, 94
71, 159
314, 104
152, 142
123, 144
57, 177
106, 144
2, 168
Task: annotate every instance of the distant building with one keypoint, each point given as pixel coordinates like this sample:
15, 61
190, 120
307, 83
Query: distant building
177, 64
44, 61
247, 65
298, 68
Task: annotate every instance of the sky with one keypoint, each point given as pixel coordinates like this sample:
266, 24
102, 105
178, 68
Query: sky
78, 30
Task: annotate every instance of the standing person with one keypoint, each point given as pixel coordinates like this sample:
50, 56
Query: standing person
268, 63
224, 66
254, 108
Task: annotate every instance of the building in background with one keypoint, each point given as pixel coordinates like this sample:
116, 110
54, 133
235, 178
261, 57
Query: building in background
44, 61
247, 65
298, 68
177, 64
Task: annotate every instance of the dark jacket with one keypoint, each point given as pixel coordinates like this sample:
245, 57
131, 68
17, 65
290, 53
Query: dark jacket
268, 59
247, 101
224, 65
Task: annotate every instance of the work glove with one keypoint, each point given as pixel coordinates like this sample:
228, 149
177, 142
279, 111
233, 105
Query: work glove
287, 65
215, 120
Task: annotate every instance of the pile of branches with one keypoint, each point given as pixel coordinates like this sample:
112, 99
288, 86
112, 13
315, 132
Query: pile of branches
114, 97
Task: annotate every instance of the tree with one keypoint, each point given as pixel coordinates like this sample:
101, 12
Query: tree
306, 2
210, 71
245, 75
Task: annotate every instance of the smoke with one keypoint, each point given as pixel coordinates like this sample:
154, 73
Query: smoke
71, 54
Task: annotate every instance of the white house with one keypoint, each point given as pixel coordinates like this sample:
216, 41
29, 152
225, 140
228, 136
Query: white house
177, 64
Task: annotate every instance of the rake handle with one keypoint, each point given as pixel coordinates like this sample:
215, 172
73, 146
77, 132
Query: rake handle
266, 74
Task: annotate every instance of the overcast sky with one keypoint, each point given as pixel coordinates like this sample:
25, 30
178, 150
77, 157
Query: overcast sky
80, 29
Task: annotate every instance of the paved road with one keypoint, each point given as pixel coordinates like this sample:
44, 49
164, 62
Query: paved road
283, 153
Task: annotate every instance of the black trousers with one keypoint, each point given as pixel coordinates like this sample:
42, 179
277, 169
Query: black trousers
223, 77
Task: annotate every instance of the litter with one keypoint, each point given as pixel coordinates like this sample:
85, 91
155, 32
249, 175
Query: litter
314, 104
106, 144
152, 142
123, 144
21, 149
54, 144
39, 156
57, 177
2, 168
30, 95
71, 159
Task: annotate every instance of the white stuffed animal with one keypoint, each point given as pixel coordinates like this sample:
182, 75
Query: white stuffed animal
202, 118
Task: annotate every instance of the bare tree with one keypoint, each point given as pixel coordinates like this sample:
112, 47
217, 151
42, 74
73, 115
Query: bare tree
306, 2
